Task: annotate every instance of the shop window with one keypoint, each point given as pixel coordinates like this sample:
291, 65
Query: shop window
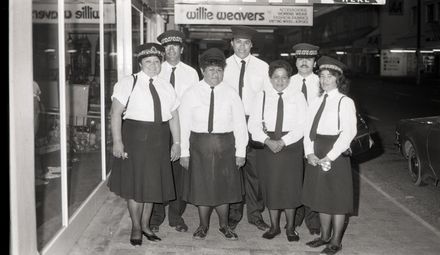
46, 121
110, 76
83, 105
82, 102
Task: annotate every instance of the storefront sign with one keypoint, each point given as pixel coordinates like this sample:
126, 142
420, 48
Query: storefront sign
381, 2
282, 2
244, 15
393, 64
73, 13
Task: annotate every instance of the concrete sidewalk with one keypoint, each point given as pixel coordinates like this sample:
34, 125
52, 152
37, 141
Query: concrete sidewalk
381, 226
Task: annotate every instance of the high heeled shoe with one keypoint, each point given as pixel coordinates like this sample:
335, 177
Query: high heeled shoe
135, 242
152, 237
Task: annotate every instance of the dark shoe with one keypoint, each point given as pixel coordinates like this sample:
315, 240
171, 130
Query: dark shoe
228, 233
315, 231
260, 224
270, 234
155, 229
233, 224
292, 235
135, 242
331, 249
181, 227
200, 233
152, 237
317, 242
138, 240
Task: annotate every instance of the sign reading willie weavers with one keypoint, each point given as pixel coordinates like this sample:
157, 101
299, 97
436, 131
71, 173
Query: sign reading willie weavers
281, 2
243, 15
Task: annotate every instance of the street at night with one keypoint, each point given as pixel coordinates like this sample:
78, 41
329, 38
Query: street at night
383, 102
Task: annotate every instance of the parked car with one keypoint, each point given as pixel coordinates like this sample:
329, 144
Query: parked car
419, 142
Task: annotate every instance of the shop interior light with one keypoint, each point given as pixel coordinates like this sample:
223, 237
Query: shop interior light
436, 50
49, 50
284, 54
341, 53
426, 51
402, 51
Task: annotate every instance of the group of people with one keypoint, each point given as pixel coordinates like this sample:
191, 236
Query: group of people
207, 129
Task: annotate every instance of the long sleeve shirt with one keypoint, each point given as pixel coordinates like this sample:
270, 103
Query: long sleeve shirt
141, 106
294, 113
312, 85
328, 124
228, 115
256, 73
185, 76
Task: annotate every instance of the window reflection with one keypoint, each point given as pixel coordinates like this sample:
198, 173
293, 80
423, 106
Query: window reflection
110, 74
83, 104
46, 122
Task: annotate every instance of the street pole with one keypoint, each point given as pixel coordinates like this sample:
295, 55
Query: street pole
418, 54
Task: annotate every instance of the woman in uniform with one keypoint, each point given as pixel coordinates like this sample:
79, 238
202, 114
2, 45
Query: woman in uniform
278, 120
142, 115
214, 139
331, 126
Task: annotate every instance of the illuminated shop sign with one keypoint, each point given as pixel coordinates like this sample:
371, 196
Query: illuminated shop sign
244, 15
73, 13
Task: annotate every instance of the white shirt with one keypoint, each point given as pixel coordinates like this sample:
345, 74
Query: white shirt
312, 85
228, 115
328, 124
184, 76
256, 72
140, 106
294, 115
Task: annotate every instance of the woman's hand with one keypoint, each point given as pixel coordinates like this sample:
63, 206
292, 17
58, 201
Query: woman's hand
324, 161
273, 145
312, 159
175, 152
184, 162
239, 161
118, 150
281, 144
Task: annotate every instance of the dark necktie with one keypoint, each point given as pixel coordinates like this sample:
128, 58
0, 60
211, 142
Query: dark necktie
241, 81
312, 134
280, 116
304, 89
211, 112
156, 103
172, 77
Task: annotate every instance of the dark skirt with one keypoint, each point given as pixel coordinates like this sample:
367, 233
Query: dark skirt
328, 192
281, 175
213, 177
145, 176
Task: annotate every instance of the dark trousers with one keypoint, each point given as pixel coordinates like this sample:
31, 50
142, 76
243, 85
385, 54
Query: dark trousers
176, 207
311, 218
253, 197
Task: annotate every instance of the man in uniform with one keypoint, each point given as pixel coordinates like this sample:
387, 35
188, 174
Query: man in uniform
246, 74
181, 76
308, 83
